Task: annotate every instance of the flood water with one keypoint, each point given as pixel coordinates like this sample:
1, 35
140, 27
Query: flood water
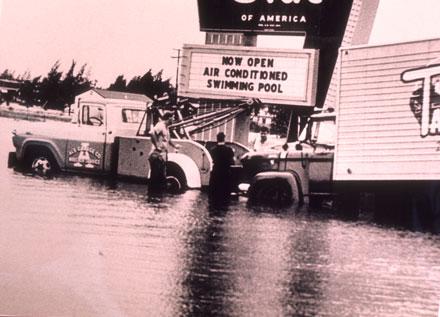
81, 246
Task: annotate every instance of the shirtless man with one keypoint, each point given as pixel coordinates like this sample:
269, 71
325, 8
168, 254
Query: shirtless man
160, 137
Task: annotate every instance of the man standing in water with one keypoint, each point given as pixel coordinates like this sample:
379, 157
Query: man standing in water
220, 184
160, 137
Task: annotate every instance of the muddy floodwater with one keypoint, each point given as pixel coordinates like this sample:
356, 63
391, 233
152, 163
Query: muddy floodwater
82, 246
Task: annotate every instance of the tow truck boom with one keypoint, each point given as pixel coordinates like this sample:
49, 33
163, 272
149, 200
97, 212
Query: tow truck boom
187, 126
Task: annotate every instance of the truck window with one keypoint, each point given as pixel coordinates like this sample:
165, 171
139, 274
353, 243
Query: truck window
324, 132
92, 115
132, 115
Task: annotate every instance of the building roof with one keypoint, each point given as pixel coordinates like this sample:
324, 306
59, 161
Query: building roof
9, 84
108, 94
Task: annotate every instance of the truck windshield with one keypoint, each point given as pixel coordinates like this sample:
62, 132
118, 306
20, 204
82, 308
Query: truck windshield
324, 132
319, 131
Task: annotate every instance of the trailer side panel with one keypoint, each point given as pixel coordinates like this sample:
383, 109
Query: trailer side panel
388, 121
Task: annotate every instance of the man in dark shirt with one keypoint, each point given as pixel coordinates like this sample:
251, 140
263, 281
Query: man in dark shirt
220, 185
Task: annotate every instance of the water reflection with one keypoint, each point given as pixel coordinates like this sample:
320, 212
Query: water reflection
307, 268
245, 265
207, 281
102, 245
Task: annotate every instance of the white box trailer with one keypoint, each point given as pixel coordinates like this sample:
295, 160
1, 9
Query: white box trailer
388, 131
388, 113
387, 139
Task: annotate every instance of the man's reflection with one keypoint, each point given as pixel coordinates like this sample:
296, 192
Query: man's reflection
208, 282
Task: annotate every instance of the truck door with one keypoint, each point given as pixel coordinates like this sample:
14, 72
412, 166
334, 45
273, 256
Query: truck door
323, 134
86, 145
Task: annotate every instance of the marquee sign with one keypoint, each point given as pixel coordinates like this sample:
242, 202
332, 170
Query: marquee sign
280, 77
268, 16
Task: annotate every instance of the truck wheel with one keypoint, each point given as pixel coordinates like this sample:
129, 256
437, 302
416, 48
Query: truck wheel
271, 192
41, 162
173, 185
176, 180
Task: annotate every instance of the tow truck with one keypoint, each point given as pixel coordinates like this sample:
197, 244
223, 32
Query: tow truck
294, 172
109, 135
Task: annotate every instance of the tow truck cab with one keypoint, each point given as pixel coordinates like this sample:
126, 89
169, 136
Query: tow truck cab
294, 171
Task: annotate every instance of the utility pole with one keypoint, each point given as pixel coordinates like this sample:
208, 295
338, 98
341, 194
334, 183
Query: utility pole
177, 69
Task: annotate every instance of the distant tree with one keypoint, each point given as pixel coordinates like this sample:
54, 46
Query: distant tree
50, 90
29, 91
73, 85
139, 84
147, 84
161, 86
25, 76
7, 74
53, 91
280, 121
120, 84
56, 91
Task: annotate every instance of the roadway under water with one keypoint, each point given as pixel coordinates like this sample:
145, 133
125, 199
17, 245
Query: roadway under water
79, 246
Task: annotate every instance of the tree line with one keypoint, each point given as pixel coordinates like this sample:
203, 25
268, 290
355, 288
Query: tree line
57, 90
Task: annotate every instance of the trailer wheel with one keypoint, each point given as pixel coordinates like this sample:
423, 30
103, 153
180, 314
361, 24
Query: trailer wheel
41, 162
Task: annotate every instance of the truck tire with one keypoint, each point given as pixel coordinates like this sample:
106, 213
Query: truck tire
41, 162
274, 192
176, 180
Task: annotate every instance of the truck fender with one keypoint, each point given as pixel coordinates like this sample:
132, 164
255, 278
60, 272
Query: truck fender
49, 145
276, 187
189, 168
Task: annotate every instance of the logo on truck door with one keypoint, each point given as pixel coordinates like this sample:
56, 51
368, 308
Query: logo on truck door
425, 100
84, 156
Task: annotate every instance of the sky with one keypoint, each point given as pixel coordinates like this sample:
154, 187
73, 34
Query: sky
115, 37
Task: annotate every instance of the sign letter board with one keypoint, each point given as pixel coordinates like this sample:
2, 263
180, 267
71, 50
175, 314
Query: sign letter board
274, 76
268, 16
